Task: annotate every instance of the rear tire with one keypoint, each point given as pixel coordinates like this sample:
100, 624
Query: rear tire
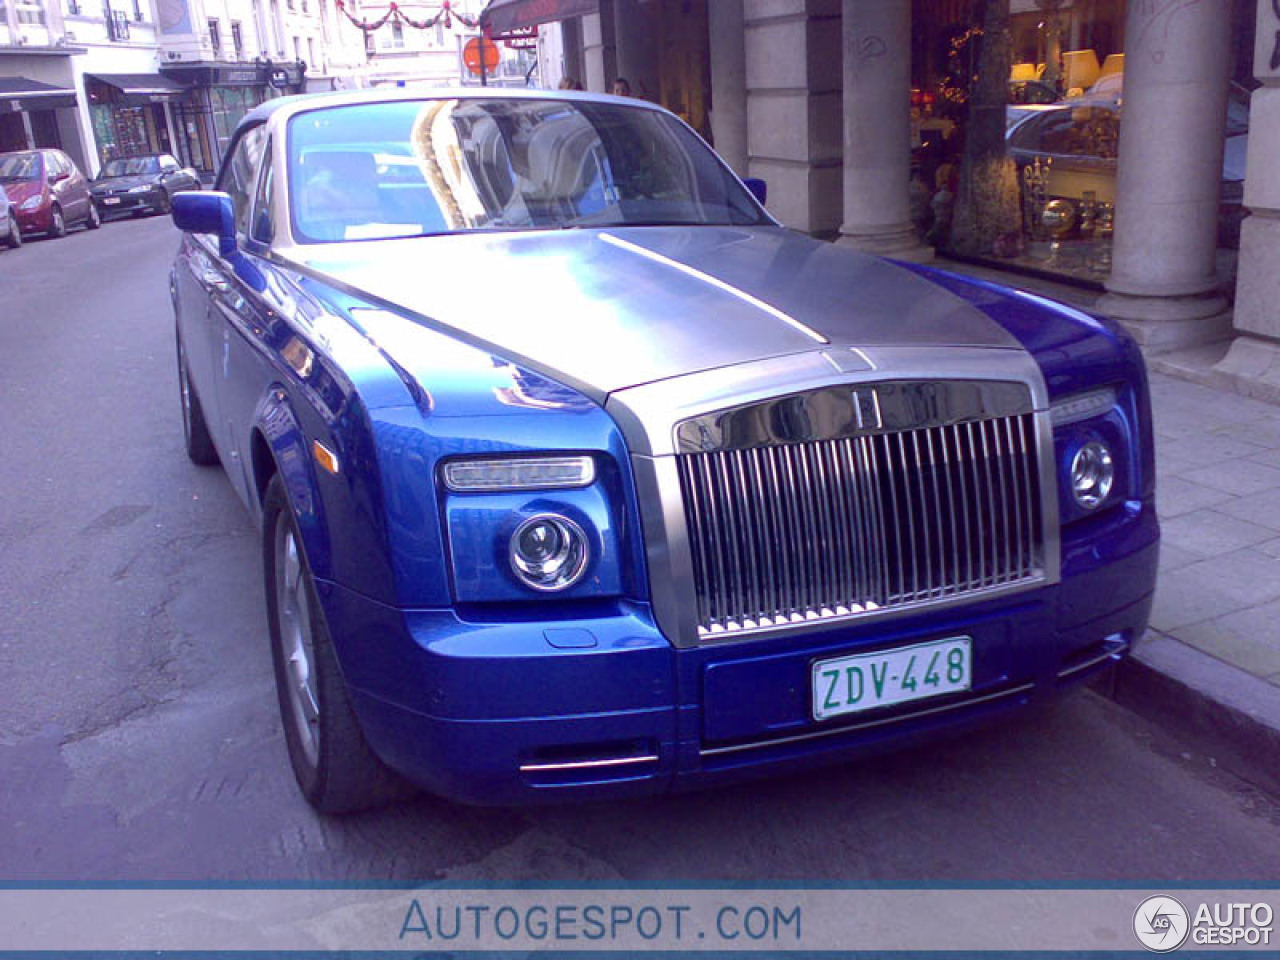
335, 768
57, 225
200, 448
15, 235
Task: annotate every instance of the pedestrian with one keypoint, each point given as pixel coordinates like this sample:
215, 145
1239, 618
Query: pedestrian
570, 83
621, 88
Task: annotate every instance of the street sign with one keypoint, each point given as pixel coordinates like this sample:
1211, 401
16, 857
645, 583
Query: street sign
521, 38
471, 55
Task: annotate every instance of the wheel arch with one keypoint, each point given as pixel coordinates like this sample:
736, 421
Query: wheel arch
278, 446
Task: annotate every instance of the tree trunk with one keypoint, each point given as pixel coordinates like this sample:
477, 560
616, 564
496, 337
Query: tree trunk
987, 206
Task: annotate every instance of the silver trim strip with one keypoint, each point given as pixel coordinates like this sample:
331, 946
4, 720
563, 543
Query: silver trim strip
1113, 654
586, 764
713, 281
849, 727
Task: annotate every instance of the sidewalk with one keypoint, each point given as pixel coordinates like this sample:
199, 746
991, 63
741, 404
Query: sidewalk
1211, 661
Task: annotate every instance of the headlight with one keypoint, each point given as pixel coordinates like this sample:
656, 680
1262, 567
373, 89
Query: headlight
549, 552
1082, 406
30, 203
524, 473
145, 188
1092, 474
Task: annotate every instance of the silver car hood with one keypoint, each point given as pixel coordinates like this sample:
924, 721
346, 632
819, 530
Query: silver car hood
605, 310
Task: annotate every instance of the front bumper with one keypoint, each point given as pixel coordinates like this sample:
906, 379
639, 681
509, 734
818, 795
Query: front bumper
39, 220
602, 706
109, 205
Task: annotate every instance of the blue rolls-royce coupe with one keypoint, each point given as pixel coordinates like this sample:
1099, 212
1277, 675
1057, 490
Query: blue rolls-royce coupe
579, 476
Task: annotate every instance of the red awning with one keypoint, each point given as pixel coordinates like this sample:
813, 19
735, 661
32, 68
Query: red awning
503, 16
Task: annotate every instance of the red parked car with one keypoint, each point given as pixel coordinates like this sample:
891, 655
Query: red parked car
48, 191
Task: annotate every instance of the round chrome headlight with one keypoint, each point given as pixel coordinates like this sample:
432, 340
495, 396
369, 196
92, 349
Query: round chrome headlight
549, 552
1092, 474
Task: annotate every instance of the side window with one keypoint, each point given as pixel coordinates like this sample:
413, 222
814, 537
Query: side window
239, 173
263, 222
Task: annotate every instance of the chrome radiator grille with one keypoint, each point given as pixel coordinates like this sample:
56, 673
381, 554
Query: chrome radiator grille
785, 533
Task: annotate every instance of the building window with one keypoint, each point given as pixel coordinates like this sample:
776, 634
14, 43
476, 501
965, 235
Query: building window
137, 10
297, 48
311, 52
215, 36
289, 4
397, 36
30, 11
117, 23
304, 6
439, 34
73, 8
237, 39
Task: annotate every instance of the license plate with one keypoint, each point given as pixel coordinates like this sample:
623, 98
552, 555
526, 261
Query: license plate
866, 681
110, 200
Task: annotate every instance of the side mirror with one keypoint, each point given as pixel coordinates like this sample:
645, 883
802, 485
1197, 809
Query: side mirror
207, 212
759, 189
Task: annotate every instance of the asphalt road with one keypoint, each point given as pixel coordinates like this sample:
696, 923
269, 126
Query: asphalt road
138, 729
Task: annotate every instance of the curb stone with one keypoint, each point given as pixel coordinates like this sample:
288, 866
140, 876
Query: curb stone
1225, 711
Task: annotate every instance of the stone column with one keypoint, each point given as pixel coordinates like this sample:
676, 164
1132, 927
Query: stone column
1253, 359
1163, 281
635, 43
729, 82
793, 109
877, 130
597, 51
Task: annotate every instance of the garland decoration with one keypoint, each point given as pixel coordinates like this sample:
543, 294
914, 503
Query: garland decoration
445, 15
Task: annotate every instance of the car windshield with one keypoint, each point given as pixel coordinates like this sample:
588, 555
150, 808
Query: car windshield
19, 166
411, 168
130, 166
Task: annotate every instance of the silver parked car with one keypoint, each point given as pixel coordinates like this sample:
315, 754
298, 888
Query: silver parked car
10, 235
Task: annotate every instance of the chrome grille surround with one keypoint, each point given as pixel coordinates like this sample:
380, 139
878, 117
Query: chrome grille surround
860, 499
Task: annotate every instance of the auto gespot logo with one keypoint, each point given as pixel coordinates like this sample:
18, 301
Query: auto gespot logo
1162, 924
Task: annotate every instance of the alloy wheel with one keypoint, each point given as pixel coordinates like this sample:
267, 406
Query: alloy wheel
297, 645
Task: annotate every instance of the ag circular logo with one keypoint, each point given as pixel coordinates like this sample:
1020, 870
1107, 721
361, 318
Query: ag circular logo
1161, 923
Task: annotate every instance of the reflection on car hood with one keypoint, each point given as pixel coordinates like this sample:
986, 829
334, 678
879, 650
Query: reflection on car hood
606, 309
124, 183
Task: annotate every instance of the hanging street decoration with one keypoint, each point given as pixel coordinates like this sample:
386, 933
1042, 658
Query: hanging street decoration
446, 15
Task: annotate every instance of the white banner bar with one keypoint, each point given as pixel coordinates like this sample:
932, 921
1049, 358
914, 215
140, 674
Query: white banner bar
635, 920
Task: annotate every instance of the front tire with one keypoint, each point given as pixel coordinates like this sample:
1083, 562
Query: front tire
335, 768
200, 448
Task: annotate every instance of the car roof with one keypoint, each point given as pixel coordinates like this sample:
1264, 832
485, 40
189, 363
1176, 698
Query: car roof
308, 101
